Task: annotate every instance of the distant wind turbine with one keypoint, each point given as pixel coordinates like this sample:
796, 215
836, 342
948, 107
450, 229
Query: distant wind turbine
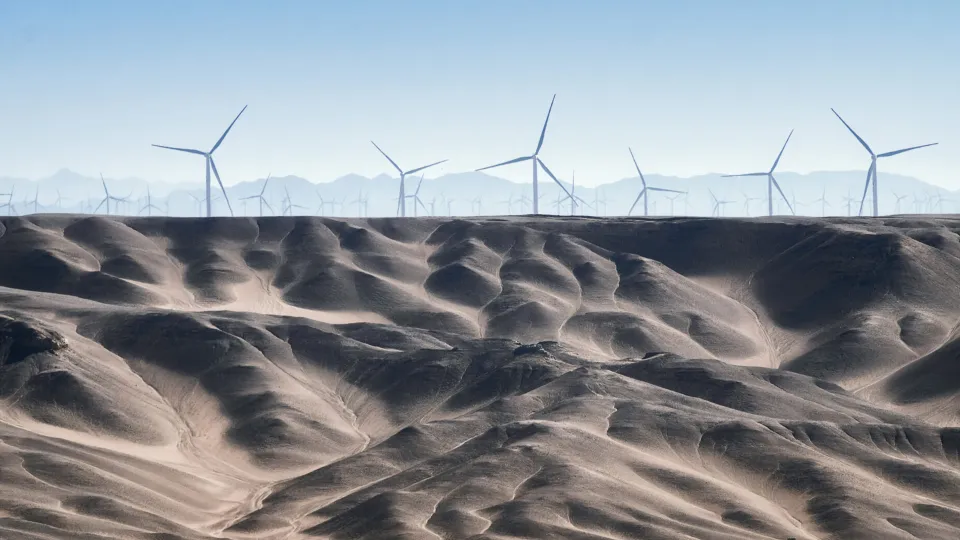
575, 200
872, 171
107, 197
149, 206
747, 199
537, 162
208, 156
287, 210
645, 192
771, 180
35, 202
718, 204
260, 197
401, 202
416, 198
477, 203
899, 199
11, 209
823, 202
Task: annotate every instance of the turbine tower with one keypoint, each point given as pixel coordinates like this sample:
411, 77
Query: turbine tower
35, 201
402, 202
771, 180
645, 192
208, 156
537, 162
260, 197
823, 202
872, 171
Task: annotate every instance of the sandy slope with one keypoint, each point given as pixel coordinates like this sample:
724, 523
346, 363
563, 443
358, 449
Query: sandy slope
489, 378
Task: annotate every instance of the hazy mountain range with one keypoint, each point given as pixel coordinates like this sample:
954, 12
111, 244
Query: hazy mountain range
473, 193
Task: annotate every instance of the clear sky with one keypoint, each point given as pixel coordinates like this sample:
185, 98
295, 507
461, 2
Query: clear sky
692, 86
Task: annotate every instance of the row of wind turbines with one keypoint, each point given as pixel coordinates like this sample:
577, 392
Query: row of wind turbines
537, 163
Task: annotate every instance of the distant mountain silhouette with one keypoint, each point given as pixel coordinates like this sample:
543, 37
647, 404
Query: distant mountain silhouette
460, 192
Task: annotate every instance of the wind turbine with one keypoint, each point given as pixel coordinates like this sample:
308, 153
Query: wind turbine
288, 210
537, 162
509, 202
149, 206
746, 202
673, 198
416, 198
34, 202
260, 196
572, 196
199, 203
11, 209
718, 204
433, 206
899, 198
208, 156
108, 197
872, 171
59, 202
477, 203
823, 202
401, 202
771, 180
644, 193
450, 206
358, 201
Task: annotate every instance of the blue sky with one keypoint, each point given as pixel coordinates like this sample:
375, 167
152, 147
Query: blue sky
692, 86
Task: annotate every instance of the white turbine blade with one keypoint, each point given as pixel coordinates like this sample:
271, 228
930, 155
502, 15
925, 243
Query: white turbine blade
781, 152
544, 131
418, 201
777, 185
634, 205
265, 182
863, 142
392, 162
97, 209
187, 150
420, 183
865, 187
902, 150
224, 136
515, 160
265, 203
418, 169
665, 190
642, 179
217, 174
250, 197
550, 173
744, 174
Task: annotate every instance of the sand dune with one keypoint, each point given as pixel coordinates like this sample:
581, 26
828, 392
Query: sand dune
285, 378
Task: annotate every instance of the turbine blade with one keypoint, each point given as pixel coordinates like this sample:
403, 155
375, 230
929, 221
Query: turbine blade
515, 160
634, 205
777, 185
744, 174
224, 136
392, 162
418, 169
265, 203
902, 150
550, 173
865, 187
217, 174
665, 190
97, 209
642, 179
420, 183
544, 131
863, 142
781, 151
187, 150
265, 182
